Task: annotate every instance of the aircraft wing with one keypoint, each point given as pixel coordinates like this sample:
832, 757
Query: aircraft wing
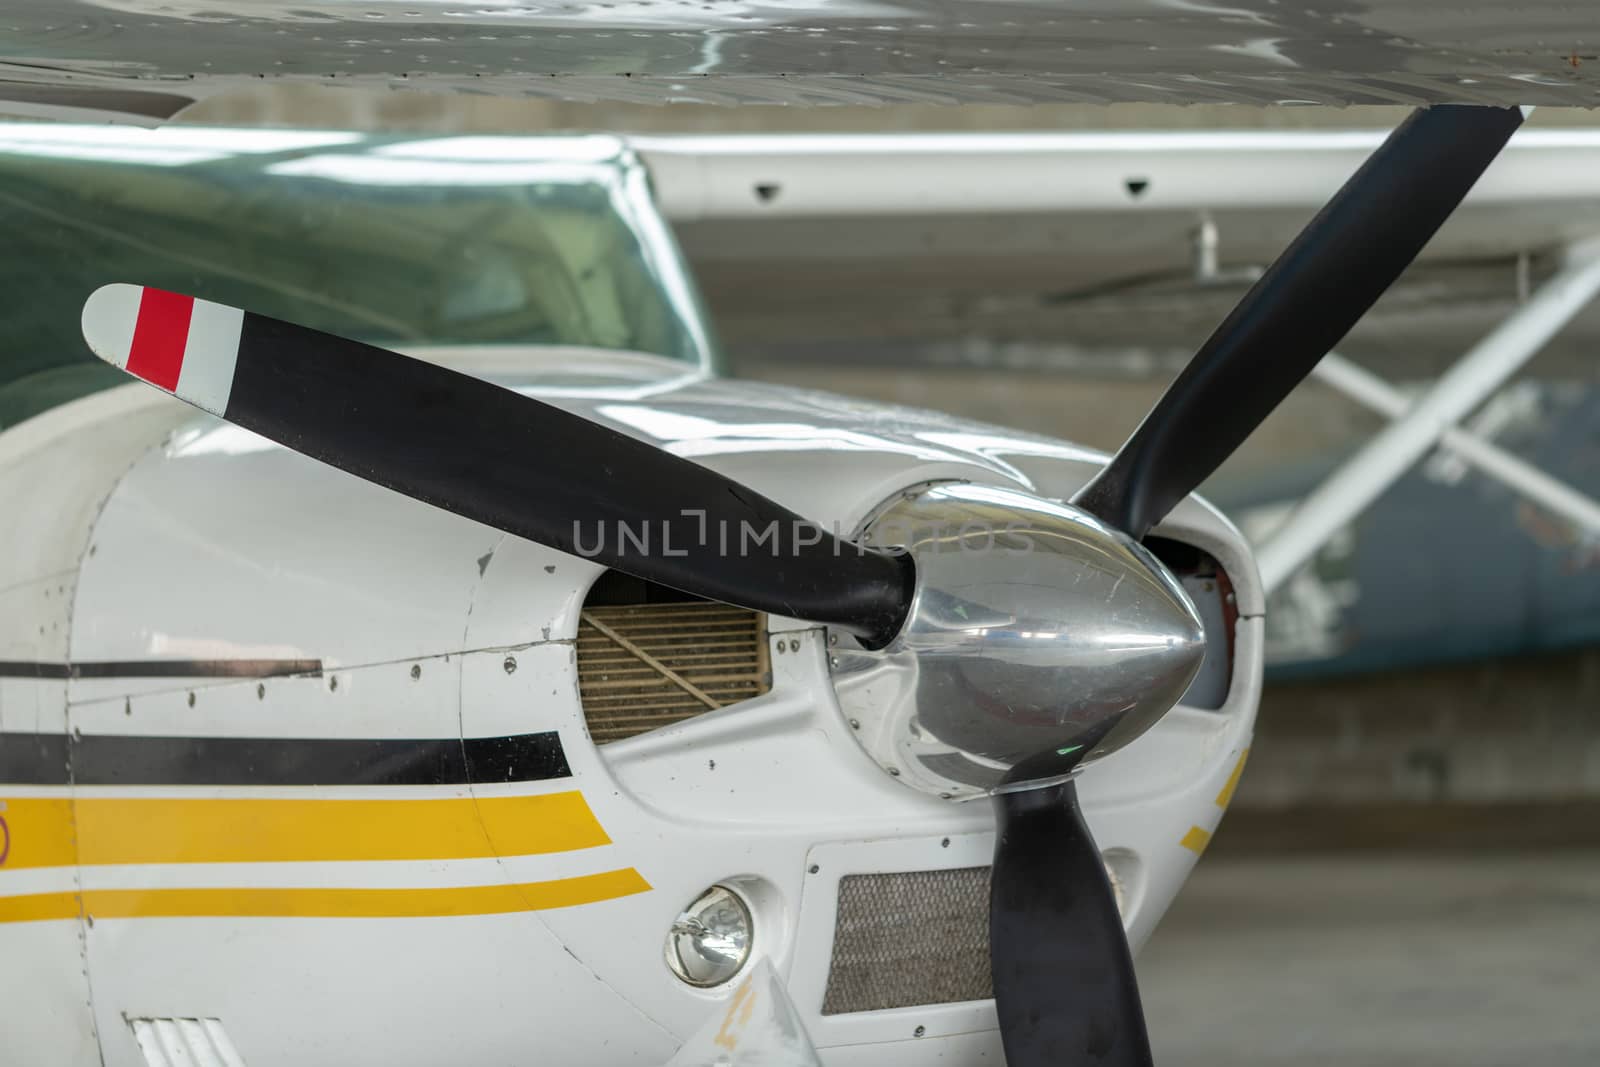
1091, 236
143, 60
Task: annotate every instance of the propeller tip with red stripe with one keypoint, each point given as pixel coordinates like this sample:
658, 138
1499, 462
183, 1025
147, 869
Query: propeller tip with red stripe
185, 346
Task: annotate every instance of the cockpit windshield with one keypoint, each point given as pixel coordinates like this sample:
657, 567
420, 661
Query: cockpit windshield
399, 241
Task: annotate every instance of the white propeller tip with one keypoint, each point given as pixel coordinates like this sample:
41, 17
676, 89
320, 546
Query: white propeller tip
109, 317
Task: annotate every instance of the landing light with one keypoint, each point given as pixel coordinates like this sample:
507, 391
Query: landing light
710, 941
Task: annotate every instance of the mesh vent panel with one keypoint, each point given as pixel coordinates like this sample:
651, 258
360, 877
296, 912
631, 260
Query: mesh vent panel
641, 667
920, 937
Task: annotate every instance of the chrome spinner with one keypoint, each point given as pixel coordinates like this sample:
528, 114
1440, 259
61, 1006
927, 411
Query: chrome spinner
1039, 639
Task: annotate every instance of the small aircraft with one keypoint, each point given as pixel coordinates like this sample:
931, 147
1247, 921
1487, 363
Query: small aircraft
488, 706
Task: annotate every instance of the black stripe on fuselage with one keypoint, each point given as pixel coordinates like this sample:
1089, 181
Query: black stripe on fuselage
123, 759
162, 668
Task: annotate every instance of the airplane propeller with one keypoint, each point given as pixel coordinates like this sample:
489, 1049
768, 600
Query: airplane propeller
1063, 975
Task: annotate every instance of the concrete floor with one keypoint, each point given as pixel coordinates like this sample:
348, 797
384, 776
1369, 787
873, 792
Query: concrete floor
1460, 960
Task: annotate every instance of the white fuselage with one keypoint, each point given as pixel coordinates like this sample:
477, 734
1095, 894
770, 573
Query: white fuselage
136, 531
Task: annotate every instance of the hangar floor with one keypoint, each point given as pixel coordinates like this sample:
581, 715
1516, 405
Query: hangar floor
1379, 959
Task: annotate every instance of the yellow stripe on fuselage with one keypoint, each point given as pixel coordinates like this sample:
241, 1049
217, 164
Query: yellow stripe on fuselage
40, 833
112, 830
1225, 797
324, 903
1196, 840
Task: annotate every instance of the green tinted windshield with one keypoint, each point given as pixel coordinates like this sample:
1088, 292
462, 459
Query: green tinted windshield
396, 241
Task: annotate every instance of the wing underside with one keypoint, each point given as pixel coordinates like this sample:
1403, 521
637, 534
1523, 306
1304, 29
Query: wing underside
144, 60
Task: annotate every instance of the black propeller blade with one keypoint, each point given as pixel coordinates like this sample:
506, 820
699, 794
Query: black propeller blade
1064, 984
498, 457
1299, 309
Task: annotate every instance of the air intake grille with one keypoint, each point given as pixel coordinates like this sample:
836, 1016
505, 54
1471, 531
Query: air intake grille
644, 666
906, 939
